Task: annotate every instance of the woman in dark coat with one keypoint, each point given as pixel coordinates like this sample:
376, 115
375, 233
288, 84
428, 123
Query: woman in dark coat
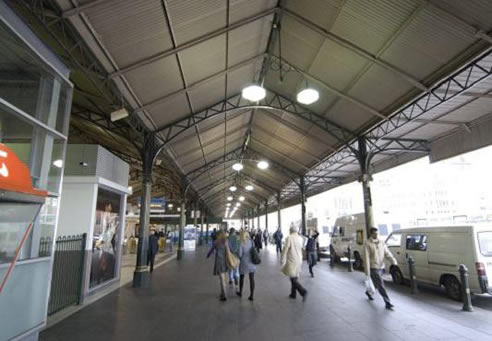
220, 266
258, 240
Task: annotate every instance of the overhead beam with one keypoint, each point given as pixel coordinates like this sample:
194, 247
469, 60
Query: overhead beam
193, 42
79, 9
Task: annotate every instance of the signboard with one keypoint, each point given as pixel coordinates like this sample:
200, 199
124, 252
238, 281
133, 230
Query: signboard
189, 238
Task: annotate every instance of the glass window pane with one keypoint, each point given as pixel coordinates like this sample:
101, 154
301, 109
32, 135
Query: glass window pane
485, 241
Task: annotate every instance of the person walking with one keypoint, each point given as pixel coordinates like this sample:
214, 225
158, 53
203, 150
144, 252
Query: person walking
220, 266
375, 253
153, 249
265, 238
213, 235
257, 240
311, 249
234, 244
277, 236
246, 265
291, 261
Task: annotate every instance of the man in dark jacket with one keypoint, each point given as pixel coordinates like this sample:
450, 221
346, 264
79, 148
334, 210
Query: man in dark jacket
153, 249
277, 236
311, 250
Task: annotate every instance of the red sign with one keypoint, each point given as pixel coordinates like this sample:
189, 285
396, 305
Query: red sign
14, 174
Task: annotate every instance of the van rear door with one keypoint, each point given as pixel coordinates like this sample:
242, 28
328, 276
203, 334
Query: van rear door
485, 249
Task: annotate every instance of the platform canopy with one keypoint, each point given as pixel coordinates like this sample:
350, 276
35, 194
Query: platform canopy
401, 73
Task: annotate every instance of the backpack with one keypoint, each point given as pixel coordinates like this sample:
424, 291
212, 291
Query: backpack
255, 257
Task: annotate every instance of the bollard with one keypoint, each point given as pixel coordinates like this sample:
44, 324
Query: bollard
413, 277
465, 288
332, 256
350, 265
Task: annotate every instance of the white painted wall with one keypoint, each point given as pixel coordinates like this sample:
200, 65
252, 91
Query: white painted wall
77, 208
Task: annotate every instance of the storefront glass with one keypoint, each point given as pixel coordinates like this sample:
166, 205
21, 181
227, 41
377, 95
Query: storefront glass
106, 237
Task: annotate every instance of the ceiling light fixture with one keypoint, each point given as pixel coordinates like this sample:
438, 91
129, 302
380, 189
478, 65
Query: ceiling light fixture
170, 205
237, 166
229, 198
263, 165
238, 204
249, 188
232, 188
58, 163
253, 93
119, 114
307, 96
228, 204
241, 198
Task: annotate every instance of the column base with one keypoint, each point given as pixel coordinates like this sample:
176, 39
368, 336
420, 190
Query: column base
180, 254
141, 279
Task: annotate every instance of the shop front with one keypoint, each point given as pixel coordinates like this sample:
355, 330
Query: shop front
35, 100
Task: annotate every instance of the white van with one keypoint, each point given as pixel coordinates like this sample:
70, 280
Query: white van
438, 252
351, 230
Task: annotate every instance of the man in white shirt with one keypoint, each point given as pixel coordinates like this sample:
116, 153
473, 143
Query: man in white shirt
375, 253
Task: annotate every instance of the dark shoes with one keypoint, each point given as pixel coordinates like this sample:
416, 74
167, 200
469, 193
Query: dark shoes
250, 298
230, 282
292, 296
312, 275
389, 306
239, 294
222, 298
369, 296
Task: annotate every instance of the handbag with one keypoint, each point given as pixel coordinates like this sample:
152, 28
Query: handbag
369, 286
232, 261
255, 257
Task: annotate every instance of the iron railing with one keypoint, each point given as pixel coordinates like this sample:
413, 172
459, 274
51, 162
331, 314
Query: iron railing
68, 265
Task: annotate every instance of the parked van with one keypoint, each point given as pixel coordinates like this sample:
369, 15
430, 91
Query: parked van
351, 230
438, 252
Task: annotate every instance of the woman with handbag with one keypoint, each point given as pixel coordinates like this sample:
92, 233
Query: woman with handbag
220, 266
246, 265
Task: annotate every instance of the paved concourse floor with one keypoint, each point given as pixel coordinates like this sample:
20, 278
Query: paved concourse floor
182, 304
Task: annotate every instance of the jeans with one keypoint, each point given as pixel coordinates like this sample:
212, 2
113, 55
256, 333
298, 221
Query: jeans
234, 275
296, 286
377, 280
311, 258
251, 284
279, 247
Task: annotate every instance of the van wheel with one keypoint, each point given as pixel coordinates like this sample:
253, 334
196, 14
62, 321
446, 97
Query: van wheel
357, 261
396, 275
453, 288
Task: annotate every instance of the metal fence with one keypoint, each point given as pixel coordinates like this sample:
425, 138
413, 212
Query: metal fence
68, 265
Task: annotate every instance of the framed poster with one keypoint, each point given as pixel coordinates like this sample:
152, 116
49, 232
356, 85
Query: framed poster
189, 238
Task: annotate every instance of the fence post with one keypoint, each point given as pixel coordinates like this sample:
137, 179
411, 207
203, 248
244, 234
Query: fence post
413, 277
350, 265
465, 287
82, 264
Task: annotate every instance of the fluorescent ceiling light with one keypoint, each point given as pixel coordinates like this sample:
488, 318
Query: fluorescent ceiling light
119, 114
232, 188
130, 189
263, 165
58, 163
241, 198
254, 93
237, 166
249, 188
307, 96
229, 198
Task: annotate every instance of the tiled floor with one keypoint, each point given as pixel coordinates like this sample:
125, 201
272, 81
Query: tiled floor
182, 305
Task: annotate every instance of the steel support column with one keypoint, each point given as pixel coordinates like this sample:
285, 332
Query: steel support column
365, 178
195, 218
266, 215
206, 236
303, 205
181, 230
258, 215
201, 226
141, 274
279, 215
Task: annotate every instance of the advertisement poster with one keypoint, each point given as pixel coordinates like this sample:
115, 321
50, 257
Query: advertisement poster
189, 238
105, 240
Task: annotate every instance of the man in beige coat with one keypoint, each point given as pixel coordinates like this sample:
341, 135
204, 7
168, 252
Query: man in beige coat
375, 253
292, 260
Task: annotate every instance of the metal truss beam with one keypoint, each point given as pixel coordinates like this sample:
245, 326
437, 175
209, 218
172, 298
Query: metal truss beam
194, 42
454, 85
273, 101
231, 177
376, 146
